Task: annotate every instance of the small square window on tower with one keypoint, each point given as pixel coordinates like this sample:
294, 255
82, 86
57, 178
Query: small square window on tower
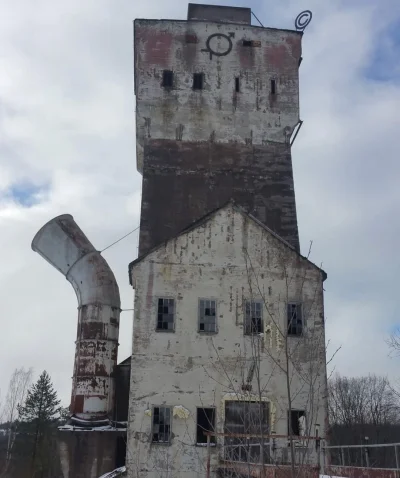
198, 80
165, 315
237, 84
294, 319
273, 87
168, 79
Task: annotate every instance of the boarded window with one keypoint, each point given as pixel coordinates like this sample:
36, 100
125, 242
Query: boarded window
168, 78
297, 423
295, 319
273, 87
249, 418
207, 315
166, 314
161, 432
205, 423
253, 322
198, 80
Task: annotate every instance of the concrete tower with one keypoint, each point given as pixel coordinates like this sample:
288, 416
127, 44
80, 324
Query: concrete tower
217, 101
228, 314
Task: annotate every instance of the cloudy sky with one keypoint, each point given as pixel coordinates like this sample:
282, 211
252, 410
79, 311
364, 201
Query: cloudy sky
67, 145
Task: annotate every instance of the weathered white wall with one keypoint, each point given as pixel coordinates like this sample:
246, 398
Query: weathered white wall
218, 259
217, 113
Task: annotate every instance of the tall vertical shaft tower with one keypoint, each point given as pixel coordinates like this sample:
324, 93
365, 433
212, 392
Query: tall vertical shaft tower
217, 101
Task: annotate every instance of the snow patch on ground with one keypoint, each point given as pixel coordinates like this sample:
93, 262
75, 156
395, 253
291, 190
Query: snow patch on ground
330, 476
115, 473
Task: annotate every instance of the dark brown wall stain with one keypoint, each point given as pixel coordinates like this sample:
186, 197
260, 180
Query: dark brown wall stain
183, 181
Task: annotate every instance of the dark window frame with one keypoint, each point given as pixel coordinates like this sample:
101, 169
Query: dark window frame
296, 414
169, 425
159, 319
168, 79
295, 324
199, 321
243, 417
237, 84
273, 87
198, 81
213, 439
256, 325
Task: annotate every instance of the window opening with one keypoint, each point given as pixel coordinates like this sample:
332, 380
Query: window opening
205, 423
165, 314
273, 87
253, 318
251, 418
247, 43
298, 422
198, 81
161, 432
207, 315
295, 319
237, 84
168, 79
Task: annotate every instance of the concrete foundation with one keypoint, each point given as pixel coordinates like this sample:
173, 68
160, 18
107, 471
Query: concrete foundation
89, 454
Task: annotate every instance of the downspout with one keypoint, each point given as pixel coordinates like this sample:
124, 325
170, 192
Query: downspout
63, 244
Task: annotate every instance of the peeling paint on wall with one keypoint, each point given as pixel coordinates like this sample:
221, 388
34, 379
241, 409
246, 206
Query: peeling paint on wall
180, 412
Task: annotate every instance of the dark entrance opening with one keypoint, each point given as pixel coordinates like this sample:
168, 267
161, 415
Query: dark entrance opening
120, 455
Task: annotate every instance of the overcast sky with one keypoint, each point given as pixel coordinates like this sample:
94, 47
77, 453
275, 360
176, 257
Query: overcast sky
67, 145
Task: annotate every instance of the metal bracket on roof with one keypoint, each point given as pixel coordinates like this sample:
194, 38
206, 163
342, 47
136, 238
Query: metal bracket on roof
302, 20
296, 131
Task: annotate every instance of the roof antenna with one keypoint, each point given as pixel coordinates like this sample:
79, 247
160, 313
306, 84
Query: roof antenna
257, 18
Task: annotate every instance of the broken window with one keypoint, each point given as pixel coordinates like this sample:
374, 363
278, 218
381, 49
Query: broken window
166, 314
205, 423
168, 78
198, 81
298, 423
161, 431
295, 319
237, 84
253, 323
207, 315
246, 418
273, 87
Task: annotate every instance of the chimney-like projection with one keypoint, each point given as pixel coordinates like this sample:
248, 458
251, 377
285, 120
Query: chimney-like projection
63, 244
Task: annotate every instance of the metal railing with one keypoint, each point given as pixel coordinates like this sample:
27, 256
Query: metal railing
367, 455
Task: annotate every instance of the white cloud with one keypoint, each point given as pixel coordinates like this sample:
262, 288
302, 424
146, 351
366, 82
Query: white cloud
67, 119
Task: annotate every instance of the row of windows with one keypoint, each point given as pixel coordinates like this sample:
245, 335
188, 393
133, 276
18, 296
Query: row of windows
207, 317
198, 82
240, 418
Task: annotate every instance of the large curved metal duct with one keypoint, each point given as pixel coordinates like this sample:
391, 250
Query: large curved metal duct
62, 243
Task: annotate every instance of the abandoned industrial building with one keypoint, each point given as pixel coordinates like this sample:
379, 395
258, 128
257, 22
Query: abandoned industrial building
228, 354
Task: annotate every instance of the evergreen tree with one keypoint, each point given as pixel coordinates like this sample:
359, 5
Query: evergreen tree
39, 413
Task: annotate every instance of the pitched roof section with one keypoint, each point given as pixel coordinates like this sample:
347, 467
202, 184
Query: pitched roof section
208, 216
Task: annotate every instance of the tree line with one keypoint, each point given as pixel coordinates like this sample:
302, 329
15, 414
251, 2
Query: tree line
29, 416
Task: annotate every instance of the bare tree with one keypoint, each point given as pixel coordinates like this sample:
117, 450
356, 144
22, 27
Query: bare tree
272, 352
16, 396
366, 400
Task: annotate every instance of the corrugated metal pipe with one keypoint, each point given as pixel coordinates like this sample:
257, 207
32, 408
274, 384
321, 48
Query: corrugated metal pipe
62, 243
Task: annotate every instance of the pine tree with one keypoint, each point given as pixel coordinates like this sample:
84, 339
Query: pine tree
40, 411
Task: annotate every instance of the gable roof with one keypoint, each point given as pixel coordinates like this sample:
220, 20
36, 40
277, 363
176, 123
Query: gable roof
208, 216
